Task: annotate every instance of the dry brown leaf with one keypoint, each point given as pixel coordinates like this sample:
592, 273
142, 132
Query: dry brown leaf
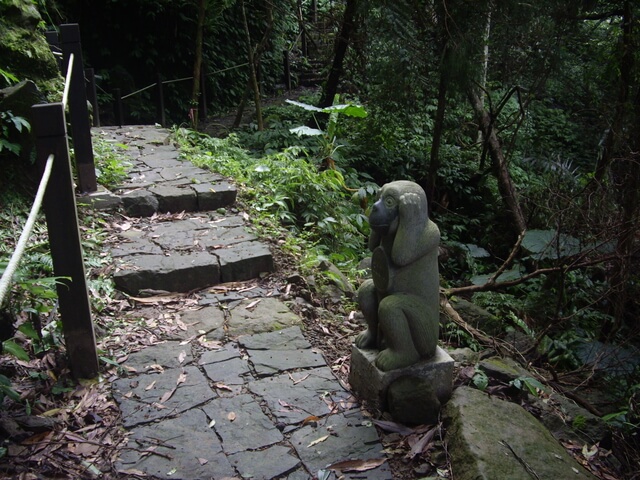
133, 472
418, 447
150, 386
203, 461
167, 395
182, 356
222, 386
295, 382
317, 441
357, 465
158, 300
231, 416
181, 378
393, 427
253, 304
310, 419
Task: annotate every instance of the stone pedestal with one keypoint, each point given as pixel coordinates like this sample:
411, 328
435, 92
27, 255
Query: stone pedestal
372, 385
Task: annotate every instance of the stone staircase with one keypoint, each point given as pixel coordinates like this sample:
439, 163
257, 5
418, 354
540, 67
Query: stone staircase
180, 231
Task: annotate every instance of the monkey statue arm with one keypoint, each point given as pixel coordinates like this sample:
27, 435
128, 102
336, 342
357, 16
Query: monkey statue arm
416, 235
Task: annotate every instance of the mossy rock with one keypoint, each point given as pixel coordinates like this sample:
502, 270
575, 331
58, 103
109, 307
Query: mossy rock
24, 48
478, 317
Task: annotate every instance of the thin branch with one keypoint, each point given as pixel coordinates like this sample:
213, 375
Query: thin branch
511, 283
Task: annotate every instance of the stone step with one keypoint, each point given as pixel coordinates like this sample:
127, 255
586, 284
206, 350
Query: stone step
190, 254
159, 181
180, 240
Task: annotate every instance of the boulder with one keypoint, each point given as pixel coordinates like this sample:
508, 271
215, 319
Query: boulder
492, 439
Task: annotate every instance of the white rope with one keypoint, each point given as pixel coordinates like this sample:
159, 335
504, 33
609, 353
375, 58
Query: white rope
26, 231
67, 82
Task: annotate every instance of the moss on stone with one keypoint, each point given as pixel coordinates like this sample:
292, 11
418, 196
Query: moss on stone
24, 48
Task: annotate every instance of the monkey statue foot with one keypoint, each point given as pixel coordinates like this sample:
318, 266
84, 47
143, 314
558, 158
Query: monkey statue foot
389, 360
366, 340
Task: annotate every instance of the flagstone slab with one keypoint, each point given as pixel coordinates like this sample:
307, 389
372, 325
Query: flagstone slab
292, 397
165, 354
241, 424
345, 436
272, 462
265, 315
286, 339
186, 449
208, 321
142, 399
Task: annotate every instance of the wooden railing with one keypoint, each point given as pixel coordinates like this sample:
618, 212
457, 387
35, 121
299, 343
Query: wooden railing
56, 195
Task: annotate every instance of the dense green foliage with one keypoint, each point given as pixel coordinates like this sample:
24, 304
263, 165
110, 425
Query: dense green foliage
519, 119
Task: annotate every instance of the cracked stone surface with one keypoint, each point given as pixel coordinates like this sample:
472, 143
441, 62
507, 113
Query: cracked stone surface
224, 385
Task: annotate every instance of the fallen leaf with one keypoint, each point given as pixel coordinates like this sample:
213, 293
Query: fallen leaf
150, 386
420, 445
182, 356
133, 471
155, 367
203, 461
212, 423
231, 416
222, 386
317, 441
295, 382
357, 465
253, 304
181, 378
311, 419
167, 395
393, 427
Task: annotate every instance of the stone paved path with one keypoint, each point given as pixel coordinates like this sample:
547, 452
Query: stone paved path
237, 391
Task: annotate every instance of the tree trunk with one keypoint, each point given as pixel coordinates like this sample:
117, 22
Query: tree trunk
253, 70
340, 51
499, 164
197, 64
628, 169
438, 127
615, 130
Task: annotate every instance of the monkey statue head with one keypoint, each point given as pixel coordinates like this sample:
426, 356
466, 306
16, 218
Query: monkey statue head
384, 217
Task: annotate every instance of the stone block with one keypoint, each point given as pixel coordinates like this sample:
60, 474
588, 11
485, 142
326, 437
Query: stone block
371, 384
214, 196
140, 203
175, 199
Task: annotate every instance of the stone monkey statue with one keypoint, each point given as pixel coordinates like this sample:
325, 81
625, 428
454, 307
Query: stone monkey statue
401, 302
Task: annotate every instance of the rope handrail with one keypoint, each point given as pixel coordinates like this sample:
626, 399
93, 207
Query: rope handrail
26, 231
14, 261
67, 81
166, 82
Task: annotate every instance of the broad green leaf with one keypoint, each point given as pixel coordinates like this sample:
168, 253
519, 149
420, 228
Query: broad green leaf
347, 109
549, 244
16, 350
304, 130
505, 276
480, 380
475, 251
27, 329
306, 106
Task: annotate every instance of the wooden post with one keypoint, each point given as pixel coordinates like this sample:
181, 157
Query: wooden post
59, 204
203, 94
117, 106
287, 70
161, 116
54, 45
92, 95
80, 128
